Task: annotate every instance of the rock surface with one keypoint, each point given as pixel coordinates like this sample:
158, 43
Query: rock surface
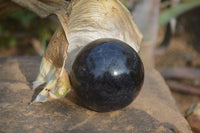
193, 117
153, 111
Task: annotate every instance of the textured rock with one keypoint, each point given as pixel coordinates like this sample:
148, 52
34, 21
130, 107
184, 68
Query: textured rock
193, 117
194, 121
153, 111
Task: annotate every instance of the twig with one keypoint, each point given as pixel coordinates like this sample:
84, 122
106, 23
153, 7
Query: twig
180, 73
183, 88
37, 46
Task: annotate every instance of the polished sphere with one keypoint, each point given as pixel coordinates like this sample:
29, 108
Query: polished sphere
107, 75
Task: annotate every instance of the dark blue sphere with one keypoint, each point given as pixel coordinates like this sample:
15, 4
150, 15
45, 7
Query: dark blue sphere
107, 75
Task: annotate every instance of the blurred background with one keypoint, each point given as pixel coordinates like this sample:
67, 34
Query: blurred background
171, 30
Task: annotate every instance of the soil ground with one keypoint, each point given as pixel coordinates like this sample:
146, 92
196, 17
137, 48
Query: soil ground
177, 55
183, 51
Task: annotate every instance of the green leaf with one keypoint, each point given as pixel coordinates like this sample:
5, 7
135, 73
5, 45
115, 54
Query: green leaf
12, 42
1, 29
23, 16
44, 42
178, 10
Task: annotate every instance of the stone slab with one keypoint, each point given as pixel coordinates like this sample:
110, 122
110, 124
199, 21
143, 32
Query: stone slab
153, 111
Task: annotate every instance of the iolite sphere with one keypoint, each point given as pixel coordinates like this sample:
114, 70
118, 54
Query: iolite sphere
107, 75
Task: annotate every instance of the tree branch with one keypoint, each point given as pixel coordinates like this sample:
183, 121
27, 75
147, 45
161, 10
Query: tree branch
43, 8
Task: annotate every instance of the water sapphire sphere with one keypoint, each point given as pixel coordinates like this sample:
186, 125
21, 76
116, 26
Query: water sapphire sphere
107, 75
